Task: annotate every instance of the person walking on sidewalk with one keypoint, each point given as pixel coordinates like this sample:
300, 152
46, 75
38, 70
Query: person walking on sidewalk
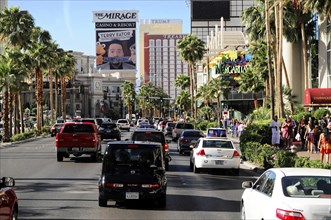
287, 132
275, 129
324, 143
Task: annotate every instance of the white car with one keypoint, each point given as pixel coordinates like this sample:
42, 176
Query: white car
215, 153
123, 124
142, 120
288, 193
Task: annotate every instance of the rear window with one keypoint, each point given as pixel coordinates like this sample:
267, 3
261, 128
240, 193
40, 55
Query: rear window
184, 126
109, 126
78, 128
217, 144
137, 156
122, 121
307, 186
149, 136
193, 134
86, 120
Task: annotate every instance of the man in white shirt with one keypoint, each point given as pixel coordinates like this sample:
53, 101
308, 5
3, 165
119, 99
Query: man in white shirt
275, 128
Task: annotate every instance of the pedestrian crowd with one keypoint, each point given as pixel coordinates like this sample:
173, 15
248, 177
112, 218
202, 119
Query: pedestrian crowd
314, 134
235, 127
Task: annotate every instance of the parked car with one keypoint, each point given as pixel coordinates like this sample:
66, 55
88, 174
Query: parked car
168, 128
133, 171
188, 138
8, 199
109, 130
288, 193
152, 135
123, 124
215, 153
179, 127
56, 128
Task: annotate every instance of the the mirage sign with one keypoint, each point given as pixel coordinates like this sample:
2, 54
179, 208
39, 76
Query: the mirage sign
116, 39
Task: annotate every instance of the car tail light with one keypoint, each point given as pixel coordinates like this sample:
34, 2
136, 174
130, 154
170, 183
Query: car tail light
151, 186
288, 215
114, 185
201, 153
184, 140
236, 154
166, 147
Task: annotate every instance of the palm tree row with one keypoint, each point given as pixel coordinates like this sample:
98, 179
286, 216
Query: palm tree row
266, 24
29, 55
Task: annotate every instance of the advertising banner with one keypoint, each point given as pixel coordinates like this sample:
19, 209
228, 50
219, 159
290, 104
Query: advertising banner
116, 39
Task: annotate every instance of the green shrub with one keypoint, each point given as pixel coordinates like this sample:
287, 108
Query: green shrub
212, 124
284, 159
257, 132
201, 125
318, 114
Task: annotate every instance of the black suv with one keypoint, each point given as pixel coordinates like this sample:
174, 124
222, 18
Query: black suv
133, 170
109, 130
153, 135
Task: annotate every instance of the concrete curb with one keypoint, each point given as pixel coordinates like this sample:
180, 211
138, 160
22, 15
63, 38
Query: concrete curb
8, 144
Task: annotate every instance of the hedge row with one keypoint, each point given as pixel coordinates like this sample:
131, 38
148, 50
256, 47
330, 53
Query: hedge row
31, 134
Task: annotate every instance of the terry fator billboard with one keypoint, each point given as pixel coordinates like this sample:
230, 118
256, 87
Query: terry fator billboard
115, 39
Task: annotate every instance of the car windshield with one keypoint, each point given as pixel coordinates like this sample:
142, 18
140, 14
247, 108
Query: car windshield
193, 134
307, 186
140, 156
148, 136
78, 128
217, 144
184, 126
122, 121
108, 126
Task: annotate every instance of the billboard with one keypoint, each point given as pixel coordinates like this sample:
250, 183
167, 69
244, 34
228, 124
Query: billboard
115, 39
210, 10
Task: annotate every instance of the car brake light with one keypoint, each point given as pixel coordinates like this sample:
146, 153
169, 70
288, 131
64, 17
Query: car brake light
166, 147
150, 186
201, 153
184, 140
288, 215
130, 146
236, 154
114, 185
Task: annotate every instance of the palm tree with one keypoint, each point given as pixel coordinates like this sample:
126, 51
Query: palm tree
183, 101
38, 50
182, 81
204, 93
192, 50
219, 87
251, 82
128, 92
145, 92
323, 7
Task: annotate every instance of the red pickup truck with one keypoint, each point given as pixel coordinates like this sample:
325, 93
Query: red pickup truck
78, 138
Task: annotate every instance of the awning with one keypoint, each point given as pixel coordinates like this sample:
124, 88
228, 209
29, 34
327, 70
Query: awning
317, 97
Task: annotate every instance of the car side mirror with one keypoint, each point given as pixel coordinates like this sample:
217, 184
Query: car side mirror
127, 139
8, 181
247, 184
191, 146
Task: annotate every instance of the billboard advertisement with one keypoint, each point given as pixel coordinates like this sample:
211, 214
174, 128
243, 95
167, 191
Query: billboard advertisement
210, 10
115, 39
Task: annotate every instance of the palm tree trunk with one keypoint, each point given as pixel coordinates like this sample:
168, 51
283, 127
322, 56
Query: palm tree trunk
269, 57
21, 110
6, 127
280, 56
15, 113
63, 95
11, 116
39, 97
255, 100
50, 79
191, 88
56, 96
305, 56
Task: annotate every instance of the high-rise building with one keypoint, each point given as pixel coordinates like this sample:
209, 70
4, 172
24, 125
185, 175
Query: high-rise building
162, 61
155, 26
3, 4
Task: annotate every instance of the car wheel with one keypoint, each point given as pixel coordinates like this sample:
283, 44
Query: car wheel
191, 164
94, 157
167, 165
129, 130
15, 214
102, 202
195, 169
243, 213
59, 157
162, 202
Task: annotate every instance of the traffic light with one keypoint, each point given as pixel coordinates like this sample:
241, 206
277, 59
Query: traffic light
133, 97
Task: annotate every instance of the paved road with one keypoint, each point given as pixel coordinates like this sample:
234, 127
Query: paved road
68, 190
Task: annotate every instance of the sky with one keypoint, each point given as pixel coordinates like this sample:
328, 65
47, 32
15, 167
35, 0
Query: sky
70, 22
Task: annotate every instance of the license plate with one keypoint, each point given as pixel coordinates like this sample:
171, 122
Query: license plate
131, 195
219, 162
75, 149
